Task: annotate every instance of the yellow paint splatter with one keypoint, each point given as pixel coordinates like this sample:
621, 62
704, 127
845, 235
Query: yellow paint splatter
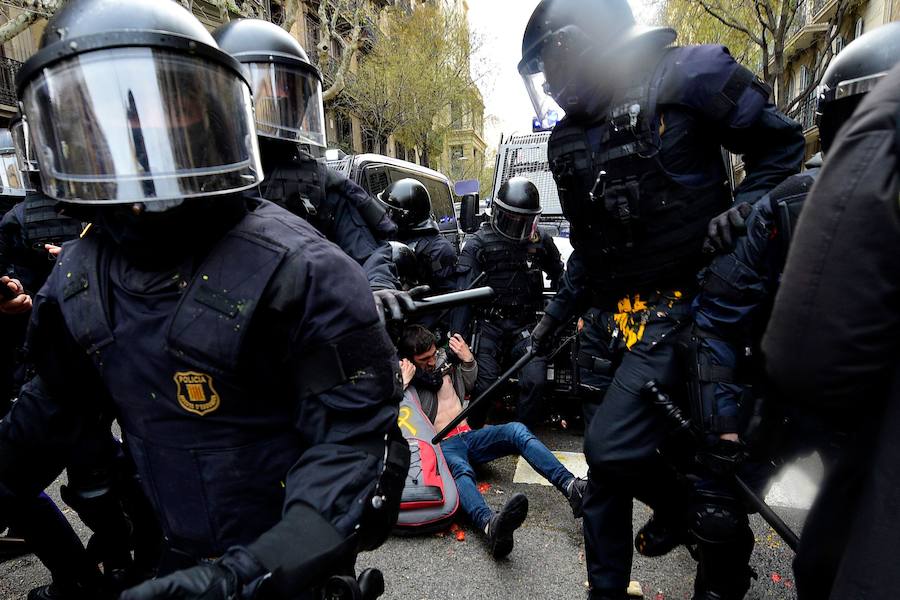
631, 319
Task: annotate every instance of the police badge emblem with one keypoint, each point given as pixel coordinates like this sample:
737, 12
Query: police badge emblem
196, 393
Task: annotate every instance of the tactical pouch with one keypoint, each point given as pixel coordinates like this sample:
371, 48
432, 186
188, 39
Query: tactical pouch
700, 381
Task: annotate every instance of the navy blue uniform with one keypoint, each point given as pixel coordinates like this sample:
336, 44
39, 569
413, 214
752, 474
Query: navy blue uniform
639, 185
254, 387
832, 351
737, 290
436, 258
514, 271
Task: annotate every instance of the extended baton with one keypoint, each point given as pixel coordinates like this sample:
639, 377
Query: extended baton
472, 285
526, 358
453, 299
769, 515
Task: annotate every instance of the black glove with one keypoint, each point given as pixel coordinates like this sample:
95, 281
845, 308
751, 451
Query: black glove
543, 335
223, 579
723, 457
397, 302
724, 228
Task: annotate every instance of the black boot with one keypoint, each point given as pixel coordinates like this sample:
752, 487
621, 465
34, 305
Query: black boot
575, 493
69, 590
659, 536
503, 524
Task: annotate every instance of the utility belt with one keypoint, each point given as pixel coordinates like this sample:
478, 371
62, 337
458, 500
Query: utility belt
606, 300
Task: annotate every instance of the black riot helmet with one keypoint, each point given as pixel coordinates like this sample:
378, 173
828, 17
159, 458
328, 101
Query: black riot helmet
287, 88
568, 46
850, 76
515, 210
409, 205
132, 102
406, 263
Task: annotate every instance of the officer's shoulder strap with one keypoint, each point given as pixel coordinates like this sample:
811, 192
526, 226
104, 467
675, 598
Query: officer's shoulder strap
706, 78
83, 298
213, 316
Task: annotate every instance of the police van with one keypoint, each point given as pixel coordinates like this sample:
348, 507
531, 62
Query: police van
375, 172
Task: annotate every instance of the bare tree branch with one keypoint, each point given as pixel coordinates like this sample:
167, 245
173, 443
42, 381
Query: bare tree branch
32, 11
727, 20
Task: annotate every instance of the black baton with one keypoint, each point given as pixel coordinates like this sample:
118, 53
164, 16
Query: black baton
453, 299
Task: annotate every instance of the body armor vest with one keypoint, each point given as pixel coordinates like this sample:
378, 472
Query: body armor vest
211, 442
513, 270
44, 225
301, 186
39, 224
636, 227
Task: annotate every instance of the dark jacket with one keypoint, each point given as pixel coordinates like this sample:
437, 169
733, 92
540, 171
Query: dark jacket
694, 118
221, 372
832, 348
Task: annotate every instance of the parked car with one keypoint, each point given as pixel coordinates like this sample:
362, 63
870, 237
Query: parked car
374, 172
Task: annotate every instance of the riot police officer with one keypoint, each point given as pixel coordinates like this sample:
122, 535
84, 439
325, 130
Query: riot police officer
512, 253
738, 288
240, 351
637, 160
833, 366
290, 123
408, 204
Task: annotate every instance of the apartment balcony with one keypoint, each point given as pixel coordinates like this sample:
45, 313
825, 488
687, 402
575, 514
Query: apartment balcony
8, 70
806, 27
805, 112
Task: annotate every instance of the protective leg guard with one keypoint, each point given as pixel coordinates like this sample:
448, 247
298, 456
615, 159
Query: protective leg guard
724, 545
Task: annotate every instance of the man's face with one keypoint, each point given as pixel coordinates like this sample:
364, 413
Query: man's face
426, 361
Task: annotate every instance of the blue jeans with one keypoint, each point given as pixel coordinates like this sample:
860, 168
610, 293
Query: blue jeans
495, 441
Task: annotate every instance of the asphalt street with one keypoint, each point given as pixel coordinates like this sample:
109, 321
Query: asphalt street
548, 559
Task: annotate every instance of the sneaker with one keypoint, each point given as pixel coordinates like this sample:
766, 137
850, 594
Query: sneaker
575, 494
503, 524
658, 537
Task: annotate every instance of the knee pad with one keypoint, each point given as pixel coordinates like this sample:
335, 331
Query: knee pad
717, 522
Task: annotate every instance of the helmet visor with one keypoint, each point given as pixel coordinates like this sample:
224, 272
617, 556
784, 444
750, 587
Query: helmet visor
515, 226
141, 125
24, 149
288, 103
543, 103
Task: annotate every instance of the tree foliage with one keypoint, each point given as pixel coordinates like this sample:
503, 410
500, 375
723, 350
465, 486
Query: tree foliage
758, 33
414, 73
